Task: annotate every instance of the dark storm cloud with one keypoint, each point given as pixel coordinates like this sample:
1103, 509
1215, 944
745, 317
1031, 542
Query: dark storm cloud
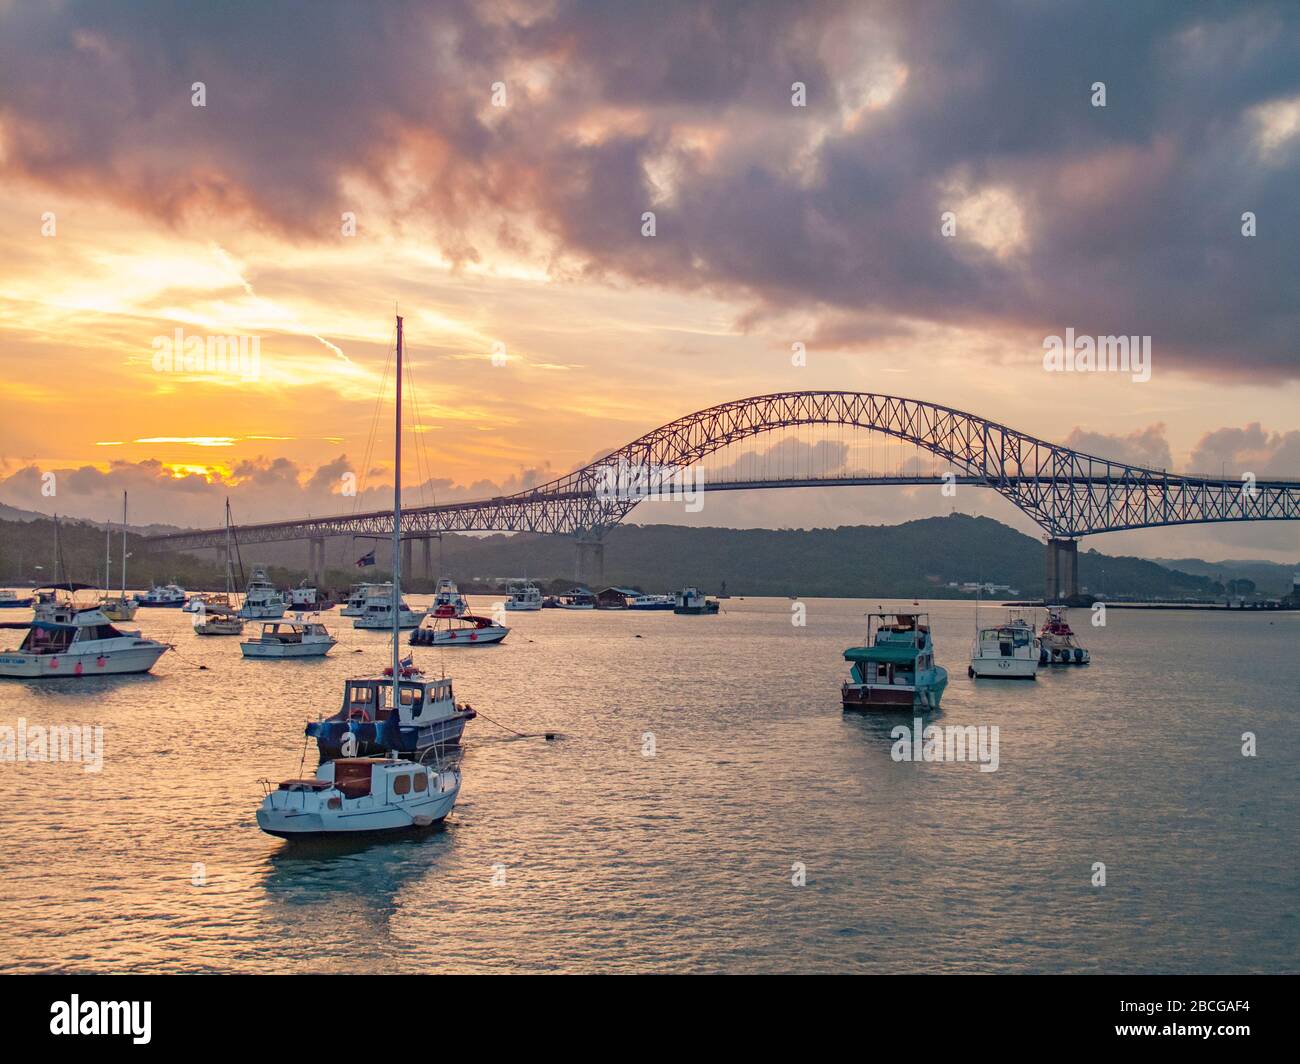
1131, 213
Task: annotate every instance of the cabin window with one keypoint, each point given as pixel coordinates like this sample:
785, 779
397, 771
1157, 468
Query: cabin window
402, 785
421, 782
409, 696
362, 696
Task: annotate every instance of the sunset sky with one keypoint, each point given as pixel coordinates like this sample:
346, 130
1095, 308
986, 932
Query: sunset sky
512, 216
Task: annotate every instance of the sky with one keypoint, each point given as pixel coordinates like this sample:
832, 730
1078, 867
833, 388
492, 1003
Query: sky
919, 194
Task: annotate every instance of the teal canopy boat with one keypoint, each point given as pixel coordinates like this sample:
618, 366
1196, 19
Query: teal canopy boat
894, 669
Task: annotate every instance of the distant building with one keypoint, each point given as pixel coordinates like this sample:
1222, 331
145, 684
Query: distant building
615, 598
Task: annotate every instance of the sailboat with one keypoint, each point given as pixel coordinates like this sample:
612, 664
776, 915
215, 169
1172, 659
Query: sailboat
425, 716
217, 614
120, 608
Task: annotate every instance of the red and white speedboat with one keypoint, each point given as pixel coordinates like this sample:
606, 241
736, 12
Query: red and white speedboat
1059, 645
443, 628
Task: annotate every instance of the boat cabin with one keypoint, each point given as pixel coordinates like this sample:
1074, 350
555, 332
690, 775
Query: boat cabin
291, 632
371, 700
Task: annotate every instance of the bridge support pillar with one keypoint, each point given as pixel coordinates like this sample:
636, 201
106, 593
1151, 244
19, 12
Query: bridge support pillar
408, 563
316, 560
589, 568
426, 548
1062, 570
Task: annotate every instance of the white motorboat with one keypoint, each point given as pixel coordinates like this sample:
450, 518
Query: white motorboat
448, 594
692, 601
86, 644
290, 639
1006, 651
355, 604
262, 602
451, 630
356, 795
652, 602
304, 599
169, 596
218, 619
378, 613
1058, 643
524, 596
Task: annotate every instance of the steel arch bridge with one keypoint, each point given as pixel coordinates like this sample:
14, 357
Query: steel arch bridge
1067, 492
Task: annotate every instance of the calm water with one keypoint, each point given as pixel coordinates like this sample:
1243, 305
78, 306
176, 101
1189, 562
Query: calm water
614, 861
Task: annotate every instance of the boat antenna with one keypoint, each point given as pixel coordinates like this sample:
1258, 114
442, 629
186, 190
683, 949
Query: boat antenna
124, 548
397, 518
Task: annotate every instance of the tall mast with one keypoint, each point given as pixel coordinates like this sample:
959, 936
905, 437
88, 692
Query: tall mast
397, 522
230, 575
124, 546
108, 552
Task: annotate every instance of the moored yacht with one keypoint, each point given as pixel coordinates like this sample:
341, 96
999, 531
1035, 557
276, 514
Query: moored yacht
1007, 651
261, 600
290, 639
9, 600
578, 598
655, 602
524, 596
448, 594
450, 630
86, 644
169, 596
217, 618
304, 599
353, 795
894, 669
426, 716
355, 605
378, 612
1058, 643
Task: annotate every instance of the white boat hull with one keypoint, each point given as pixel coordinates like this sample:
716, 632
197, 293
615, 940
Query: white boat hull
465, 637
287, 650
405, 620
1008, 668
262, 612
17, 665
293, 815
523, 607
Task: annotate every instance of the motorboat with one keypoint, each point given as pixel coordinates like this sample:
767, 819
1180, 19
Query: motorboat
85, 644
304, 599
448, 629
378, 613
427, 716
359, 795
9, 600
448, 594
523, 596
691, 600
290, 639
578, 598
169, 596
261, 600
1007, 651
355, 605
1058, 645
894, 669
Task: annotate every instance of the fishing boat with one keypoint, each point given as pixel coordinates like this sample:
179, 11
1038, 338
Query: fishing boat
9, 600
691, 600
1058, 643
1007, 651
304, 599
262, 602
400, 712
356, 795
448, 629
290, 639
658, 602
169, 596
524, 596
448, 594
378, 612
86, 644
894, 669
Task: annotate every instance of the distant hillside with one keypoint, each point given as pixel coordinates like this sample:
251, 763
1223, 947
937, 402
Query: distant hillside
916, 558
1270, 578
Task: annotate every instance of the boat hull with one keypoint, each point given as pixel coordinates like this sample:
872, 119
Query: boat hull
523, 607
219, 629
286, 650
289, 823
405, 622
1000, 668
893, 698
17, 604
68, 666
458, 637
687, 611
